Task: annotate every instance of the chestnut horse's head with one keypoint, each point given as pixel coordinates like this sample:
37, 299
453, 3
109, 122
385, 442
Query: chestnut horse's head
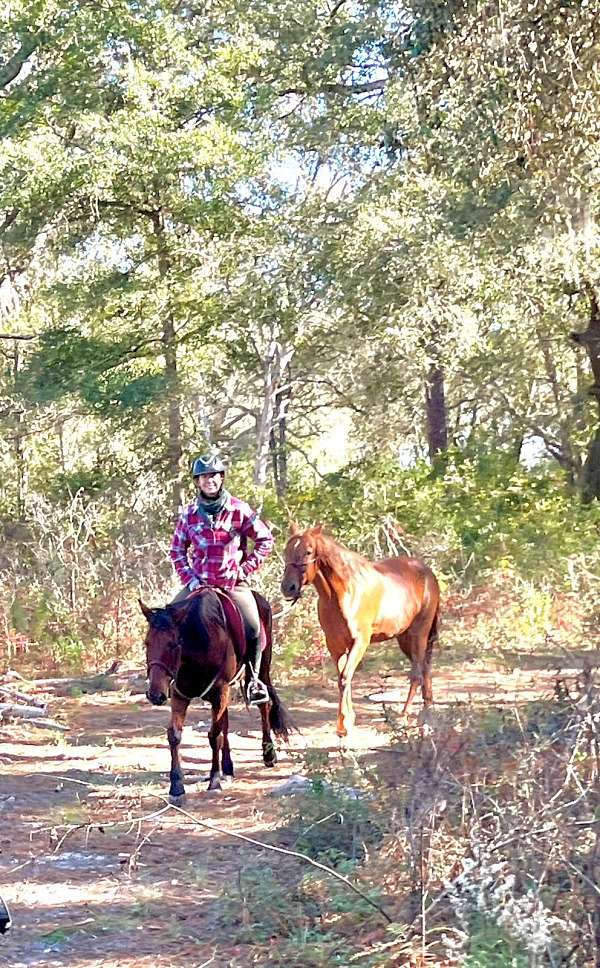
163, 650
301, 557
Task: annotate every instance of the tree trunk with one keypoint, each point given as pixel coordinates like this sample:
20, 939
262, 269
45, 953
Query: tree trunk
19, 442
564, 452
278, 444
169, 343
437, 417
590, 340
275, 366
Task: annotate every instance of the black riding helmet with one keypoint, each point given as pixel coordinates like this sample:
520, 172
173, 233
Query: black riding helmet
208, 464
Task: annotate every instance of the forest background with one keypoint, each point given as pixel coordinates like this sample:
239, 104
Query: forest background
352, 246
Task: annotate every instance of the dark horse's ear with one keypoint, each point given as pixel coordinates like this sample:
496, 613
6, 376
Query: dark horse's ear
178, 610
318, 529
294, 529
148, 612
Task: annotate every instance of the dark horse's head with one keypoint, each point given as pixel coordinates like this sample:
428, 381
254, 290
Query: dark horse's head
163, 649
301, 561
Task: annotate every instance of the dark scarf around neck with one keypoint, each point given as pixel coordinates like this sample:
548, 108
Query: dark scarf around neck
212, 506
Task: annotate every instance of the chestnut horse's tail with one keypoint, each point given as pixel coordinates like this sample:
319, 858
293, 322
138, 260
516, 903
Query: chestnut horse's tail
279, 718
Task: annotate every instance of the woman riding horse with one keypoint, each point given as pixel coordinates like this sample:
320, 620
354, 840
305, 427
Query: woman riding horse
216, 527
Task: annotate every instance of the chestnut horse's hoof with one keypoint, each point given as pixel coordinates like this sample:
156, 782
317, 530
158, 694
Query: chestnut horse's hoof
177, 799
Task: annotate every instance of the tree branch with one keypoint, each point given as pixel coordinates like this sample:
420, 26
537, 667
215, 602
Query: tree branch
347, 90
18, 336
12, 68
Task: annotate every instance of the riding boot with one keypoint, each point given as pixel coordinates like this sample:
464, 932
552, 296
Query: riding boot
256, 692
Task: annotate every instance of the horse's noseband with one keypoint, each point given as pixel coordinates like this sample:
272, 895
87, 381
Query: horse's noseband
301, 568
163, 666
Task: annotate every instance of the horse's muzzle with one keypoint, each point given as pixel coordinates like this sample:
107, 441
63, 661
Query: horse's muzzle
291, 591
156, 698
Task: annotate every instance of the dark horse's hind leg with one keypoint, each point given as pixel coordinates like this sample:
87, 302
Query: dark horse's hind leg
218, 738
226, 761
268, 746
179, 708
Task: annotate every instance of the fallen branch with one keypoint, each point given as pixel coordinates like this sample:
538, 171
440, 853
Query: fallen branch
21, 697
83, 680
48, 724
22, 712
71, 828
282, 850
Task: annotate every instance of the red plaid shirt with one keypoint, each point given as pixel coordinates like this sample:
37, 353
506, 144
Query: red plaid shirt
219, 550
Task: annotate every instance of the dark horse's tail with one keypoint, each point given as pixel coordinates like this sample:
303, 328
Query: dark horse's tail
433, 637
279, 718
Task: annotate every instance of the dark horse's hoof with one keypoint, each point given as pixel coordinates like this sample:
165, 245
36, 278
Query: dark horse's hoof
269, 754
177, 799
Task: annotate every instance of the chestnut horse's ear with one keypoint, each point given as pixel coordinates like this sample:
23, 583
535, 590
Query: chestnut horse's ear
145, 609
294, 529
318, 529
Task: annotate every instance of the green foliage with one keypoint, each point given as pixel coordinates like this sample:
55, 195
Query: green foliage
474, 516
335, 819
490, 948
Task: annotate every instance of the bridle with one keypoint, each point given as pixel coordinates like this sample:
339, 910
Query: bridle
301, 568
163, 666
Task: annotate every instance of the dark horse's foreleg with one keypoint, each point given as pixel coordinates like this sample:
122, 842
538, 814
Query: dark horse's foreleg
218, 737
179, 707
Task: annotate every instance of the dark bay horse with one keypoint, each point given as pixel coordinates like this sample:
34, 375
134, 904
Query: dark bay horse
362, 602
190, 651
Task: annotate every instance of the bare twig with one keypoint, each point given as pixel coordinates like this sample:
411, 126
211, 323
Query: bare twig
282, 850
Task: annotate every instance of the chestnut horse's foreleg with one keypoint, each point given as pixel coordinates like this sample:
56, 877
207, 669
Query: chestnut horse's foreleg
268, 746
218, 738
179, 708
347, 665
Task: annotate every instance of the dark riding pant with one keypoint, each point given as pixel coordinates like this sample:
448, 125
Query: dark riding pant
246, 602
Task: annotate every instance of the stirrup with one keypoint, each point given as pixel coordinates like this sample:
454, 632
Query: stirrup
256, 692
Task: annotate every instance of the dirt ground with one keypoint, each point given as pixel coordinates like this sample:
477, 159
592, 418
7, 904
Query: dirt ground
139, 893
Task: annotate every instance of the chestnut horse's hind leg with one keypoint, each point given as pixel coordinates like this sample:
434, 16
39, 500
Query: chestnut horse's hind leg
179, 707
417, 644
217, 736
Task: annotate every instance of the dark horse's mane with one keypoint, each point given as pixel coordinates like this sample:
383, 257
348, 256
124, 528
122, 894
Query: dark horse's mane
337, 559
199, 613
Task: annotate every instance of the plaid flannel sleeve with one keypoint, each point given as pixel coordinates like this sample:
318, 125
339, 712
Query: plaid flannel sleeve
178, 551
259, 533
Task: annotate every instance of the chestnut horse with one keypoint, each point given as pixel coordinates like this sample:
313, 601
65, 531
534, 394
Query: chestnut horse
362, 602
190, 652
